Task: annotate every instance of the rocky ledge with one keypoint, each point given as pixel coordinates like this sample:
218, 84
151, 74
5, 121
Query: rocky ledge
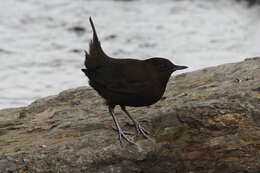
208, 122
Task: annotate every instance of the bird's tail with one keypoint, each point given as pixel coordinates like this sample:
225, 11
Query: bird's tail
95, 37
96, 56
95, 49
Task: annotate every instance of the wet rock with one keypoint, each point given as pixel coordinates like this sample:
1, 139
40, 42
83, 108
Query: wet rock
4, 51
79, 30
251, 2
76, 50
111, 37
207, 122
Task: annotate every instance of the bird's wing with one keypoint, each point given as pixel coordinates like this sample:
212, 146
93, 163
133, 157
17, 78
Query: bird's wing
123, 80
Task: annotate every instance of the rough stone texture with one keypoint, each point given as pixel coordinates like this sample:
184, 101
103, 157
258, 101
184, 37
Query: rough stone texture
208, 122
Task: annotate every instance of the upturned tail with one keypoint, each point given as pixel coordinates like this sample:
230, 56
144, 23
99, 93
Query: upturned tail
96, 56
95, 48
95, 41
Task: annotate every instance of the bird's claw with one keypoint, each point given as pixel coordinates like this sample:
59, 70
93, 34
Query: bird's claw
141, 130
125, 132
122, 135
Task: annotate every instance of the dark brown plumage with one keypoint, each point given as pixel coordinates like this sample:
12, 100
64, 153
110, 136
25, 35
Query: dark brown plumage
126, 82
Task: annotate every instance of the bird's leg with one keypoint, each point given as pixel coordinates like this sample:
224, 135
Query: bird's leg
121, 134
138, 126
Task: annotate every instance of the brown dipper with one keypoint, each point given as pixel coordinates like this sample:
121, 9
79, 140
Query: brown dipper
126, 82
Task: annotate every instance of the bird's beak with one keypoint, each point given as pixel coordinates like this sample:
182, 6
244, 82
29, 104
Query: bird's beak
179, 67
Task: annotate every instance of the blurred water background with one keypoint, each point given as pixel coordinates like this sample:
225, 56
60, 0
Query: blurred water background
41, 42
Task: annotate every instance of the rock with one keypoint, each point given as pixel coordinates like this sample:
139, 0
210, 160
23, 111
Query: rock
79, 30
251, 2
111, 37
208, 121
4, 51
76, 50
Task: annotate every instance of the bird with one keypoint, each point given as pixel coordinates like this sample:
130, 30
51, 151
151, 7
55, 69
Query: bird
125, 81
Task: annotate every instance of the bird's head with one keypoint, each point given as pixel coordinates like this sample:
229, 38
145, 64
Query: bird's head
164, 68
165, 65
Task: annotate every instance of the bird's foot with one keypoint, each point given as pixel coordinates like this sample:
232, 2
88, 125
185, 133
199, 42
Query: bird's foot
125, 132
141, 130
122, 135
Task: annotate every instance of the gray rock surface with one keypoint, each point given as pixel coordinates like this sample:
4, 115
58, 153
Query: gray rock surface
208, 122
